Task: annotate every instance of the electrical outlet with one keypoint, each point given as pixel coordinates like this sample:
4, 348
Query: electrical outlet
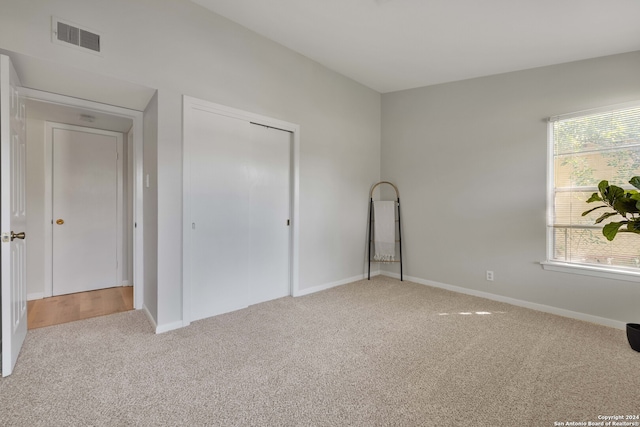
490, 275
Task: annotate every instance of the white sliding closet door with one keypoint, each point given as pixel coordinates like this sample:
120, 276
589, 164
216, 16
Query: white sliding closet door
269, 213
219, 154
239, 204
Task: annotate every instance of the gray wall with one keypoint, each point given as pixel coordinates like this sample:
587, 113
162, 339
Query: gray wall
470, 159
180, 48
35, 206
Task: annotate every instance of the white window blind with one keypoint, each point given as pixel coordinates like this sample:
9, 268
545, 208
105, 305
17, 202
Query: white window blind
586, 149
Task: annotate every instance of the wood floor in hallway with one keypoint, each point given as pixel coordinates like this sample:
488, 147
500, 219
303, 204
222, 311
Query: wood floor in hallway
83, 305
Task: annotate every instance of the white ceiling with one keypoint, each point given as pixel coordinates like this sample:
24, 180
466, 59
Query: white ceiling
57, 77
391, 45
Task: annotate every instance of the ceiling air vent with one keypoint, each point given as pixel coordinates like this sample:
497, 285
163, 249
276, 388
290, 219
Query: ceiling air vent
72, 35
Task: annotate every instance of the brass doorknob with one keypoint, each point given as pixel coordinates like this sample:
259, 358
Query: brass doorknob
20, 235
60, 221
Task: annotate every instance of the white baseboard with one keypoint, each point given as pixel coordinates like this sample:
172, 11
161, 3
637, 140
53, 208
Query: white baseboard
41, 295
520, 303
326, 286
35, 295
169, 327
161, 328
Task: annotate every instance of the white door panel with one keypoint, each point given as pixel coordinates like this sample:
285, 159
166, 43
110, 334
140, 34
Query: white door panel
85, 202
13, 215
269, 212
239, 204
220, 243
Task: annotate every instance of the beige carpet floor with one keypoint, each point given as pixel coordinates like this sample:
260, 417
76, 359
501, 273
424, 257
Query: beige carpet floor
378, 353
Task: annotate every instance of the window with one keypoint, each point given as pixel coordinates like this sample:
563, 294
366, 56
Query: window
585, 148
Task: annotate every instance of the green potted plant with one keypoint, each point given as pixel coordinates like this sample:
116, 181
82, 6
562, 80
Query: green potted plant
624, 203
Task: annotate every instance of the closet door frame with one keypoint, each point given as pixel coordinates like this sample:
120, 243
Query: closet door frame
189, 105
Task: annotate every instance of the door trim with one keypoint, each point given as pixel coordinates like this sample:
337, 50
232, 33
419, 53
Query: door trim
189, 104
137, 208
48, 200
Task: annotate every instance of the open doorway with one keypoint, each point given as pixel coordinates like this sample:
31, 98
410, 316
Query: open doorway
52, 257
80, 213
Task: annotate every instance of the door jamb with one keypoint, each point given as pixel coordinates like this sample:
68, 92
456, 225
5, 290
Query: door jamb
138, 218
190, 103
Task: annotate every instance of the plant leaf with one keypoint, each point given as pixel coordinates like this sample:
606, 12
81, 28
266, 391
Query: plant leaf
635, 181
602, 186
594, 198
624, 205
610, 230
634, 226
585, 213
613, 193
605, 216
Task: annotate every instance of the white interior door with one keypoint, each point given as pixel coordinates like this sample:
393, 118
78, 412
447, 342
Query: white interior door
239, 207
13, 215
85, 194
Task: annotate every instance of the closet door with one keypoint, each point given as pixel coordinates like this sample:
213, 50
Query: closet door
220, 155
269, 214
239, 204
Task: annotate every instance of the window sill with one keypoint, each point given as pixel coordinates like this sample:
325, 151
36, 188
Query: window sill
592, 270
